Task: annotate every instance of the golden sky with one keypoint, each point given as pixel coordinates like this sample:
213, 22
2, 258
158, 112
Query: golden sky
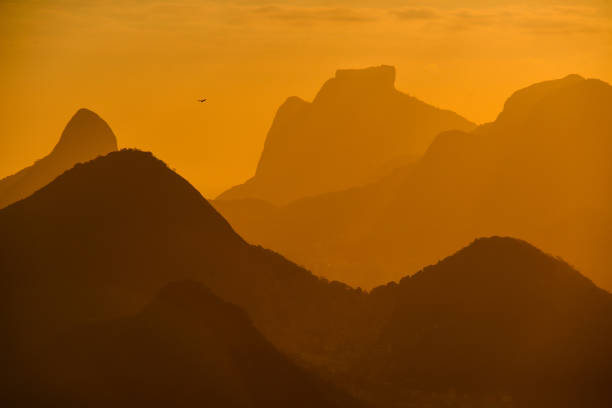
142, 64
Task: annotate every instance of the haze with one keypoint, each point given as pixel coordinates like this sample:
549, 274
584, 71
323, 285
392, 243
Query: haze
309, 203
142, 65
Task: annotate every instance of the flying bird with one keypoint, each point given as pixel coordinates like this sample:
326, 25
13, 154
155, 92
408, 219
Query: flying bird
202, 100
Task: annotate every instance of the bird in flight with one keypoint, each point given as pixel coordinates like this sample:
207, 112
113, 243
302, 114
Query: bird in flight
202, 100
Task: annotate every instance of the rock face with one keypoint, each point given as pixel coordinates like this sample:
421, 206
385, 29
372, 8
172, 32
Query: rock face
540, 172
85, 137
357, 125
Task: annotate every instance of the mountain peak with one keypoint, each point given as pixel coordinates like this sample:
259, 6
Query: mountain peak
86, 134
139, 180
349, 82
523, 101
573, 78
85, 137
381, 75
523, 266
354, 128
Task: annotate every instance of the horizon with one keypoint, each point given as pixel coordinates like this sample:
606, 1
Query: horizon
142, 65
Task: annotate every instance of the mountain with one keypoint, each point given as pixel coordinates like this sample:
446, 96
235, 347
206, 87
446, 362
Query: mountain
500, 320
186, 348
321, 231
100, 240
540, 172
82, 258
357, 129
85, 137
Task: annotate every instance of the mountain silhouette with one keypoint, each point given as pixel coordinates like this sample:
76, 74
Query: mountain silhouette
186, 348
83, 256
85, 137
499, 318
100, 240
357, 127
540, 172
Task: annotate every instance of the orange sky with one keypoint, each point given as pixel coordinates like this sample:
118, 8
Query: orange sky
142, 64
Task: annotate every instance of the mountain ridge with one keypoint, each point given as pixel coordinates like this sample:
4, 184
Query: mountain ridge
98, 242
454, 318
85, 137
133, 225
530, 165
356, 124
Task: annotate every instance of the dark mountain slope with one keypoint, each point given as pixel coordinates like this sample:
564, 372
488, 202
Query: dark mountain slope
502, 316
357, 128
85, 137
101, 239
539, 172
187, 348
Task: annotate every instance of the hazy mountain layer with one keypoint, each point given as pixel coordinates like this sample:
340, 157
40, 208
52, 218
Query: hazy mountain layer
539, 172
85, 137
357, 129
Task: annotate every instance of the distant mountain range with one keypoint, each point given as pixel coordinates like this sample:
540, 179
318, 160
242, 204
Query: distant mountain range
85, 137
540, 172
357, 129
497, 323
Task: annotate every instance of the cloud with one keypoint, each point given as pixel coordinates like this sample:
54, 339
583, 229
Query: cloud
407, 13
576, 11
550, 20
560, 20
541, 26
316, 14
189, 15
530, 20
